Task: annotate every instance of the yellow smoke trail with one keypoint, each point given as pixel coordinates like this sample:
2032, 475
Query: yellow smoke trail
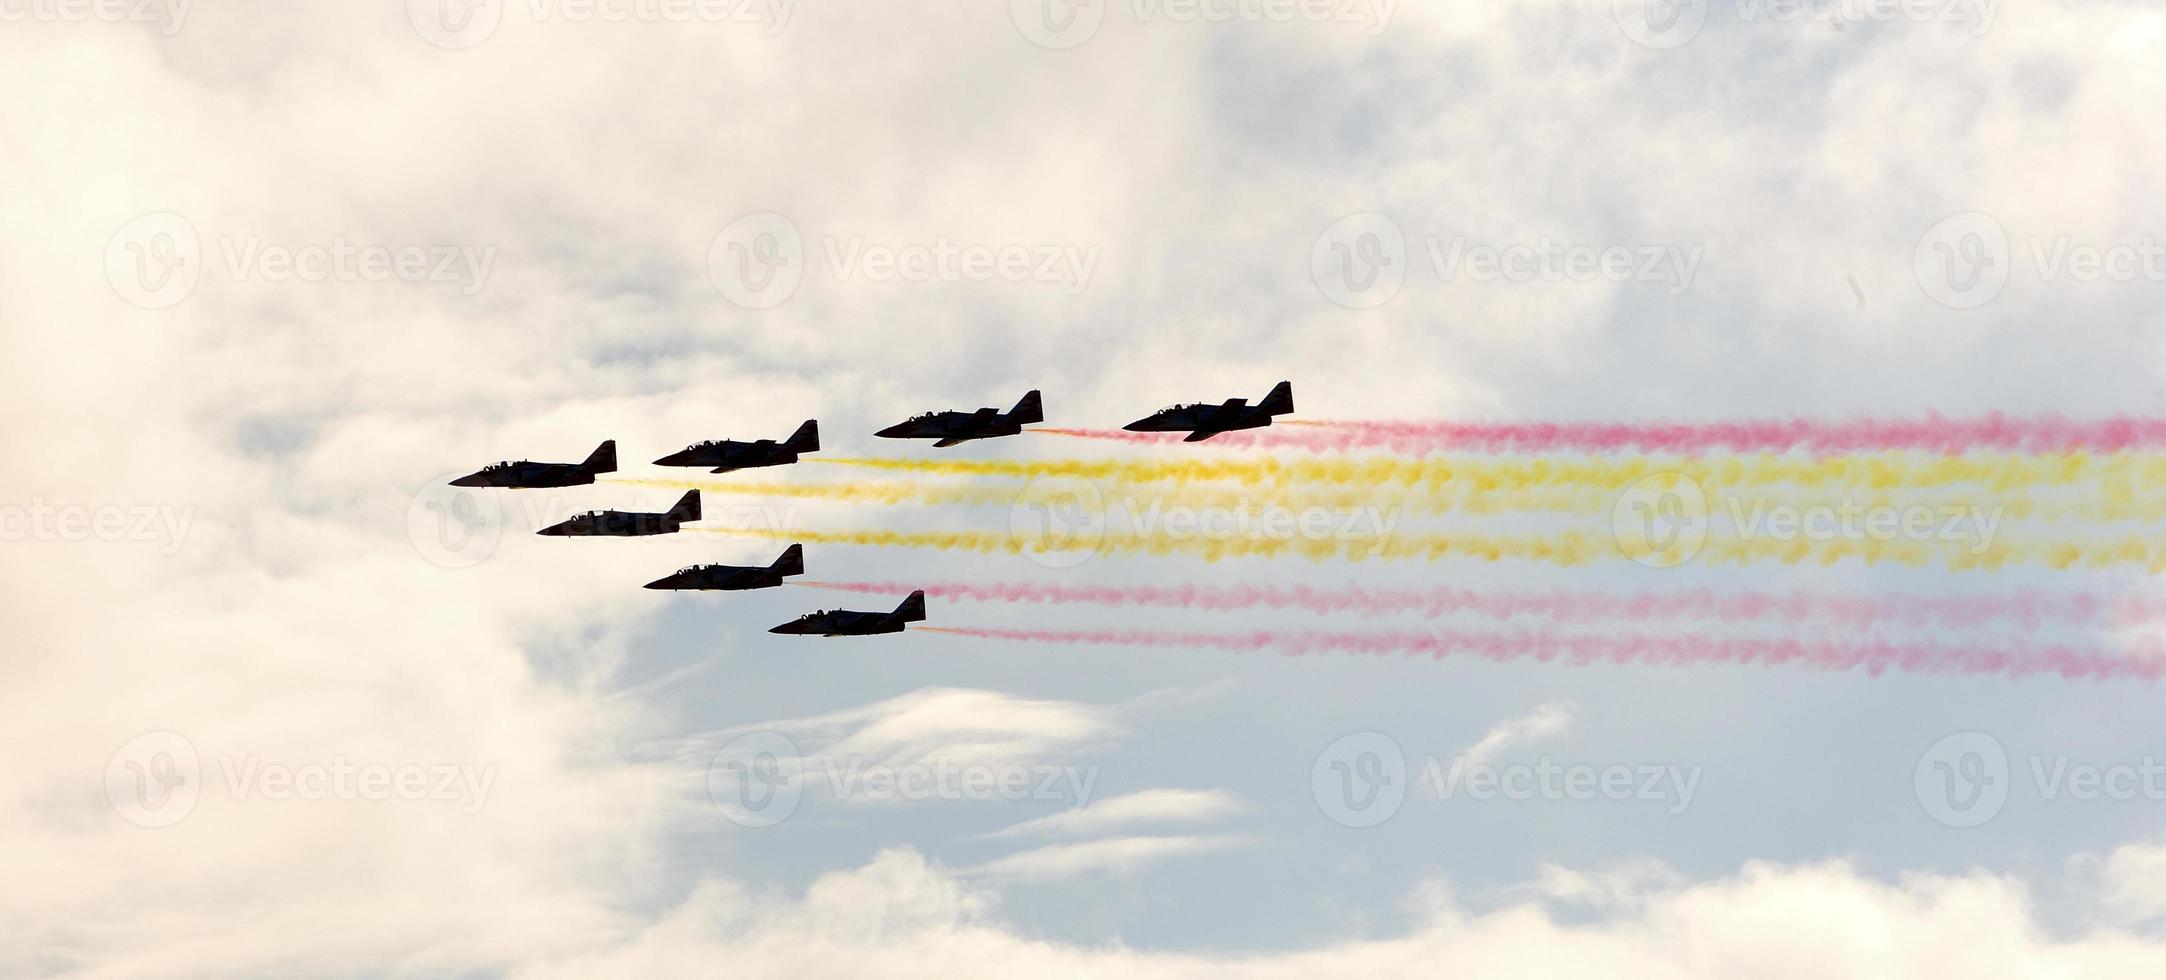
2094, 507
1568, 548
2120, 474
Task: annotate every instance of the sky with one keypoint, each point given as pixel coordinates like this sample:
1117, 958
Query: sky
284, 703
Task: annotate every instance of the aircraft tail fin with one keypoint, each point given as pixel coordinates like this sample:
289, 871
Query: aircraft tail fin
1029, 410
603, 459
792, 561
912, 609
1280, 401
687, 508
806, 439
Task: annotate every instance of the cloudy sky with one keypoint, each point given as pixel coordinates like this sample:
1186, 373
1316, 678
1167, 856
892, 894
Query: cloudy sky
282, 703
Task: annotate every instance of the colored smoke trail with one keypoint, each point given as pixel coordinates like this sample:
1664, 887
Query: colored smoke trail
1930, 433
1874, 657
1568, 548
1856, 611
2117, 476
2010, 505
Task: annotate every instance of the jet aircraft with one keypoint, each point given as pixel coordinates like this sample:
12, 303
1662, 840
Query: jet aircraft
845, 622
733, 578
523, 474
1203, 420
628, 524
954, 428
727, 454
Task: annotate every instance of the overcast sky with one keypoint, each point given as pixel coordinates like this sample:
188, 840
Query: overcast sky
282, 703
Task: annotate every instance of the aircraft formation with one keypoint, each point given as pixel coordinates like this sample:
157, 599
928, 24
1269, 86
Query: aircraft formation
1200, 420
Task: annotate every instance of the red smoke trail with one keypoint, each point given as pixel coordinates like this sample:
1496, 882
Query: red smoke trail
1930, 433
1874, 657
2025, 609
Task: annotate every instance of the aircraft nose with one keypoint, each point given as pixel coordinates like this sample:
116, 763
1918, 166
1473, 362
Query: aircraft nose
673, 459
469, 480
785, 628
893, 432
552, 531
1137, 425
665, 582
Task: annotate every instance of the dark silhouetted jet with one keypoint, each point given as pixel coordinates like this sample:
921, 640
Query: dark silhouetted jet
734, 578
726, 454
953, 428
844, 622
628, 524
1202, 421
524, 475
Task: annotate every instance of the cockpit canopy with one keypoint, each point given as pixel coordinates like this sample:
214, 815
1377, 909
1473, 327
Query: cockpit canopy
505, 465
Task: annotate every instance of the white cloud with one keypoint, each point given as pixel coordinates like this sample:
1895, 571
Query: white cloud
1112, 855
902, 917
1146, 806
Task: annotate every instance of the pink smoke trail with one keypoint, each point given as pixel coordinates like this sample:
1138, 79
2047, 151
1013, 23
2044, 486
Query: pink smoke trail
1857, 611
1929, 433
1874, 657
